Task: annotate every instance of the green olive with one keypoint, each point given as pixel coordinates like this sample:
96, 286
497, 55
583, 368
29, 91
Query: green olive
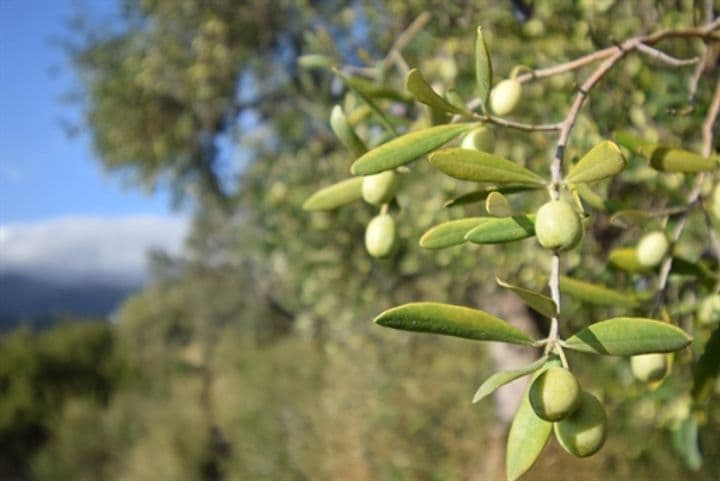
381, 236
583, 433
709, 311
649, 367
505, 96
554, 394
652, 248
380, 188
480, 138
558, 226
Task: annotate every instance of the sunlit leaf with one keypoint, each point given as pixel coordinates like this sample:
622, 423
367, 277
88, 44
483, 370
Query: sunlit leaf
451, 320
423, 92
527, 437
477, 166
406, 148
497, 205
497, 230
499, 379
596, 294
480, 195
345, 133
483, 67
707, 369
315, 61
602, 161
537, 301
590, 197
449, 233
630, 218
335, 195
628, 336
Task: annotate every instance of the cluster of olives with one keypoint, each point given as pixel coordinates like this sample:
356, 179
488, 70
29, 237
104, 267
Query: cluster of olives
578, 417
381, 233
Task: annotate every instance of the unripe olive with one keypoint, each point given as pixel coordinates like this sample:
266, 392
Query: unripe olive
649, 367
380, 188
480, 138
505, 96
652, 248
554, 394
558, 226
381, 236
709, 311
583, 432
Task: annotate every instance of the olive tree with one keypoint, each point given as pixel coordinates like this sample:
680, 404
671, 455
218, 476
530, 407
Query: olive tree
627, 206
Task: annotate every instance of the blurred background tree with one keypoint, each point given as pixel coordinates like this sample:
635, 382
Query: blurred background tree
251, 356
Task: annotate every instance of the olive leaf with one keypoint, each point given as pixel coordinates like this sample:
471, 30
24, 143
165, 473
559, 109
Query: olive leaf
406, 148
477, 166
590, 197
707, 369
449, 233
666, 159
597, 294
527, 437
423, 92
335, 195
496, 230
628, 336
483, 68
625, 259
602, 161
345, 133
315, 60
451, 320
499, 379
630, 218
480, 195
535, 300
497, 205
686, 441
361, 88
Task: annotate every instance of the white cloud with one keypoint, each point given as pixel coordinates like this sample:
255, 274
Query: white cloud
88, 248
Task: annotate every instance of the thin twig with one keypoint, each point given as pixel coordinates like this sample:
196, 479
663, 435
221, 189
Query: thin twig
665, 58
405, 37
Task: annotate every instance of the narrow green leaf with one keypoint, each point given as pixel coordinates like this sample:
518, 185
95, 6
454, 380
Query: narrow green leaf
527, 437
465, 164
686, 441
480, 195
628, 336
666, 159
311, 61
497, 230
677, 160
699, 269
406, 148
360, 88
335, 195
423, 92
497, 205
602, 161
450, 320
449, 233
596, 294
591, 198
707, 369
630, 218
345, 133
626, 259
483, 67
499, 379
537, 301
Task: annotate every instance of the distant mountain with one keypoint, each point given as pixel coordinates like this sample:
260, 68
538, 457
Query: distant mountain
39, 303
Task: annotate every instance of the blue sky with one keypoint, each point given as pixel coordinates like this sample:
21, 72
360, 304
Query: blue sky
61, 216
43, 173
